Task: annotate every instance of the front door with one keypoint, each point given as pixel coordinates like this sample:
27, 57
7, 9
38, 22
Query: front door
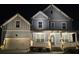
52, 39
55, 38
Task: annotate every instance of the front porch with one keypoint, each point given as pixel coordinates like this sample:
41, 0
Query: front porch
63, 39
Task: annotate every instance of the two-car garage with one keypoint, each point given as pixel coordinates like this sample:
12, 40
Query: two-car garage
16, 43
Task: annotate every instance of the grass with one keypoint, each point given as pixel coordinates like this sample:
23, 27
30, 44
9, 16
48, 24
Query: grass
71, 51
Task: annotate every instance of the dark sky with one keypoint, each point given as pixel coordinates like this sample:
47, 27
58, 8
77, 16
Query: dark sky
27, 11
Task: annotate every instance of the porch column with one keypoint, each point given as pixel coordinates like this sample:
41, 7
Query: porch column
76, 40
61, 40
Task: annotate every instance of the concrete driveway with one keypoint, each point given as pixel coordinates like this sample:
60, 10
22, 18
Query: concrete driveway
14, 51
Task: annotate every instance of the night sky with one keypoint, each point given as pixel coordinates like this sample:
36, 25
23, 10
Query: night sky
27, 11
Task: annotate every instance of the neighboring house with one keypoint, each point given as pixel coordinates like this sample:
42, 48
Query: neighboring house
16, 33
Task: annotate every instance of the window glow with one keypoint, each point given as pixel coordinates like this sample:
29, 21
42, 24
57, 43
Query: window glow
39, 37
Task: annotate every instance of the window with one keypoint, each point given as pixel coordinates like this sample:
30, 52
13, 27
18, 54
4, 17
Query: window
16, 35
40, 37
63, 25
73, 35
17, 24
52, 24
42, 40
68, 37
38, 40
40, 24
51, 11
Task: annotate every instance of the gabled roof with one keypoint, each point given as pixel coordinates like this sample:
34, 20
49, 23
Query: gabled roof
12, 18
58, 10
38, 13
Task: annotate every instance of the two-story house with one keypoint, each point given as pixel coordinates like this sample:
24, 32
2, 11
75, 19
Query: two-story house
52, 28
49, 28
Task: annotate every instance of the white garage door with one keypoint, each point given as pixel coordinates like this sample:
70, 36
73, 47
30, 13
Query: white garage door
16, 43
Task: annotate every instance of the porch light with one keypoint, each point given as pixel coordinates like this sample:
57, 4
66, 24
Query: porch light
49, 43
31, 43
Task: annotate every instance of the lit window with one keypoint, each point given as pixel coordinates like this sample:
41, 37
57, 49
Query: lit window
40, 24
38, 40
68, 37
40, 37
42, 40
17, 24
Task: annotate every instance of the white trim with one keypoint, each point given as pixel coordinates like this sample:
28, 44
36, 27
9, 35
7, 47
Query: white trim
23, 19
40, 12
61, 12
58, 10
62, 23
16, 38
16, 30
9, 20
61, 20
76, 38
47, 8
12, 18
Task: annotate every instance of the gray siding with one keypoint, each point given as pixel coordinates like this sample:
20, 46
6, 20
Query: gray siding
20, 34
45, 24
58, 25
56, 15
10, 30
12, 25
48, 12
40, 17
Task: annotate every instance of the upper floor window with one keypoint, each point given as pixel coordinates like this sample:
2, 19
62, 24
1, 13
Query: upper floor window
40, 24
64, 25
17, 24
52, 24
51, 12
